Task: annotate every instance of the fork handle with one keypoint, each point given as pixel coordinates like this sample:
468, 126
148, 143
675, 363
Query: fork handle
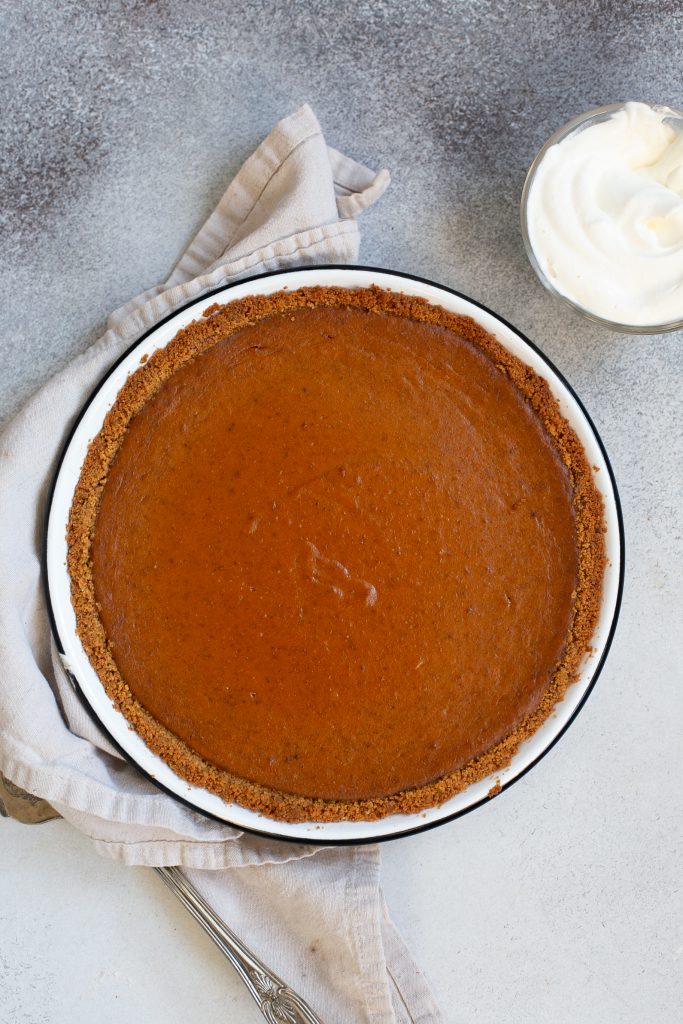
278, 1003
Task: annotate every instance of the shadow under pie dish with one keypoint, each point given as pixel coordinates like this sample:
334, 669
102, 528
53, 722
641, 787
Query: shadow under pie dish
335, 553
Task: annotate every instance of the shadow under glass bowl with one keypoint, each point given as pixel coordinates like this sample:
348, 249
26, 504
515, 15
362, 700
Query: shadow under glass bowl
578, 124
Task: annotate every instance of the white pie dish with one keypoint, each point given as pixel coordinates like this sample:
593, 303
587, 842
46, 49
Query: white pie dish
113, 722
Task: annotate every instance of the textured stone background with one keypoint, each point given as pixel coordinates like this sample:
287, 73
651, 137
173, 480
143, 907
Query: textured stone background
121, 124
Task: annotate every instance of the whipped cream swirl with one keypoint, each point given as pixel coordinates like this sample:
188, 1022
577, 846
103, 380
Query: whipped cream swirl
605, 216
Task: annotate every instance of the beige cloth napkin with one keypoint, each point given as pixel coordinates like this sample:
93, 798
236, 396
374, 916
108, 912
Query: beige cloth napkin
315, 915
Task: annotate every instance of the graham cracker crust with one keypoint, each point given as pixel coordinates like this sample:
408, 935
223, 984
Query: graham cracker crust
219, 322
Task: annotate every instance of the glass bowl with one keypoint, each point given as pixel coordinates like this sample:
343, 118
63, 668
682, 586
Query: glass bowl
579, 124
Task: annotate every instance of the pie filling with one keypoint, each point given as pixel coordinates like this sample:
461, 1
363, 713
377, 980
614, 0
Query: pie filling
335, 553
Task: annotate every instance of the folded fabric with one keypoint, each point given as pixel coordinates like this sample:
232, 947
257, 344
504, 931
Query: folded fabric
293, 202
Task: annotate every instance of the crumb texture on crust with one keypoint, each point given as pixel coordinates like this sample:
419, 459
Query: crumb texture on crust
219, 322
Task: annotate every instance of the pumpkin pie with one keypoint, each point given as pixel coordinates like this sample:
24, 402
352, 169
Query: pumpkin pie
335, 553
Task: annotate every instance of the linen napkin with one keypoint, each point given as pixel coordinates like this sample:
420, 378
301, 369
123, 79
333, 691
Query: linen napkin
315, 915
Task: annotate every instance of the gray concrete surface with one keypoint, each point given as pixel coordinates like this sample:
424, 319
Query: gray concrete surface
121, 124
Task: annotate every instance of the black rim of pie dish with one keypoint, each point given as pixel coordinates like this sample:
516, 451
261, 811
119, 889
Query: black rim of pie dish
312, 840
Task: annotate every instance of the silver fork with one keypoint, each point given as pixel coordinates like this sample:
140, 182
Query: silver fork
278, 1003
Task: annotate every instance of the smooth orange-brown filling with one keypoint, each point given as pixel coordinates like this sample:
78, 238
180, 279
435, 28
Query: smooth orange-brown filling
336, 553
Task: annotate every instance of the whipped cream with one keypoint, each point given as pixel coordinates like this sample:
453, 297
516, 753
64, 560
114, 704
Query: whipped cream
605, 216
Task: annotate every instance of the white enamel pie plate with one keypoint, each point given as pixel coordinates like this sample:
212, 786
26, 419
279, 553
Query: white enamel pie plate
112, 721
